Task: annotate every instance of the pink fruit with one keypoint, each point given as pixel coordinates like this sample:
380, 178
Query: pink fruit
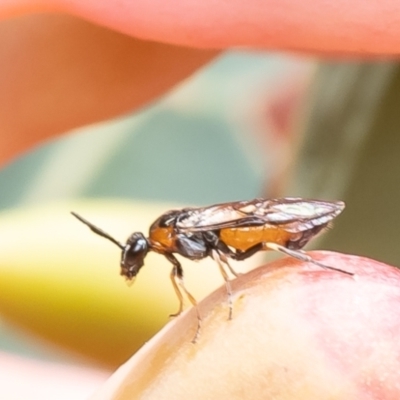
298, 332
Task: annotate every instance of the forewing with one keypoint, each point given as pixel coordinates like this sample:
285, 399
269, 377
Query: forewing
220, 216
292, 214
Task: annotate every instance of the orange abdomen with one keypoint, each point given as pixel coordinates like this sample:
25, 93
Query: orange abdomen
244, 238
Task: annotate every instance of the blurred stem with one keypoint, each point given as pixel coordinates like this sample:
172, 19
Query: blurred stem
350, 151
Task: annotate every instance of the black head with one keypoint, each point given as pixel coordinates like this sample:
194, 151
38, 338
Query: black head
133, 255
133, 252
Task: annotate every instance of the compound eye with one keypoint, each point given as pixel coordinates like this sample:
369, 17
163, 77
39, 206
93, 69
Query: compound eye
129, 256
133, 255
139, 246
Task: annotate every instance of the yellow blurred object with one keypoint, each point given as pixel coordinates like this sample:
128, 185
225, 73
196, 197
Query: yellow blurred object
61, 282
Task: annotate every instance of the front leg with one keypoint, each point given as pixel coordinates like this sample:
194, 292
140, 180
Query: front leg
176, 273
178, 284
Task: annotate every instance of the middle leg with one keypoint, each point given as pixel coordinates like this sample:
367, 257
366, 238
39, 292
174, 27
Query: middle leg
217, 257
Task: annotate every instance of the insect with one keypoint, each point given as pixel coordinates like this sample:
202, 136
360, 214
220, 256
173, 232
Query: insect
226, 231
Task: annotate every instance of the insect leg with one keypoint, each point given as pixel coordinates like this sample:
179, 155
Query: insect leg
226, 262
301, 255
222, 249
173, 277
242, 255
217, 257
177, 281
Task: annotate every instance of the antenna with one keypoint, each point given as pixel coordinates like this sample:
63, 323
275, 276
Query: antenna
98, 231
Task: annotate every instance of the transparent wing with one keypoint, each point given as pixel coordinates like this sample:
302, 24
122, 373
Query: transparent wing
295, 214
